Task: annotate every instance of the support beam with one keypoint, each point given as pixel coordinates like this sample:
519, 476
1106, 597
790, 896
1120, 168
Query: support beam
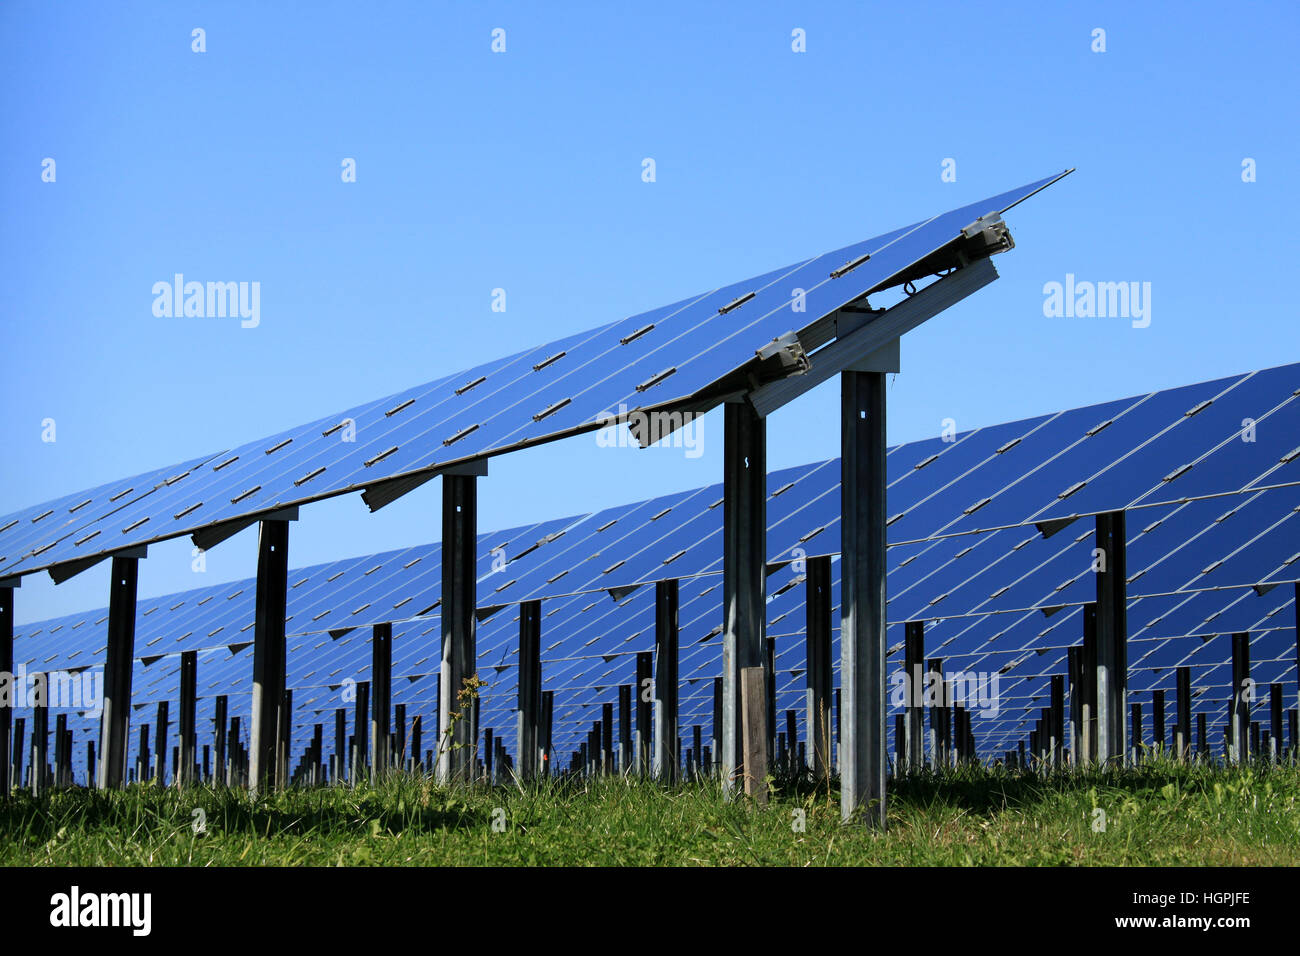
1058, 721
817, 706
900, 744
1183, 732
1112, 638
665, 681
644, 711
716, 739
744, 575
283, 740
40, 701
912, 746
1074, 664
115, 718
397, 739
862, 587
860, 337
548, 716
754, 721
360, 732
142, 755
1242, 695
61, 764
7, 668
1137, 732
268, 653
607, 738
317, 745
769, 672
381, 697
1275, 722
792, 742
16, 775
530, 688
219, 739
1158, 720
340, 769
235, 755
160, 744
624, 726
457, 736
938, 757
474, 725
417, 734
1088, 688
184, 770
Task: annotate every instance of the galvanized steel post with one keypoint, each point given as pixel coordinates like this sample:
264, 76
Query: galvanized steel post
115, 717
913, 704
184, 770
862, 587
1112, 637
665, 681
744, 576
817, 706
381, 695
457, 733
268, 653
1242, 695
530, 688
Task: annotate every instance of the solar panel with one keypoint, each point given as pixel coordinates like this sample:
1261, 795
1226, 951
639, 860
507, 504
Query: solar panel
657, 359
36, 531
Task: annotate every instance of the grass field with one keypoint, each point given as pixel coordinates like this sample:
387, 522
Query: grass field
1158, 814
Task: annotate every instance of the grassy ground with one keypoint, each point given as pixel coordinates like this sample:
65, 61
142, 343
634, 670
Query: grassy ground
1158, 814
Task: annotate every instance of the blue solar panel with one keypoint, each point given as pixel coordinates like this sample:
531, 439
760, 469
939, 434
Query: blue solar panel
659, 358
35, 530
1005, 600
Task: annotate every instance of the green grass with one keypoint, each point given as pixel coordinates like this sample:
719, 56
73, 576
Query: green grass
1158, 814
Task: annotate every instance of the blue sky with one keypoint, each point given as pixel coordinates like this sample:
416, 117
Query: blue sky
522, 170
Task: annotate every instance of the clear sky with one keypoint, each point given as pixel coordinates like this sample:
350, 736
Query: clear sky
522, 170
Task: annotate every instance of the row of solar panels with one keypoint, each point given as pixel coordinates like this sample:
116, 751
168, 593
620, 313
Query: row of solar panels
1182, 544
324, 658
671, 355
590, 682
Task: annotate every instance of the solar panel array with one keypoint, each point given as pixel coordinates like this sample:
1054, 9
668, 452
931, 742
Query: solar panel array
986, 544
664, 357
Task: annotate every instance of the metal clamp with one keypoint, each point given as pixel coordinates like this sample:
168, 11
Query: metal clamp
788, 353
993, 231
